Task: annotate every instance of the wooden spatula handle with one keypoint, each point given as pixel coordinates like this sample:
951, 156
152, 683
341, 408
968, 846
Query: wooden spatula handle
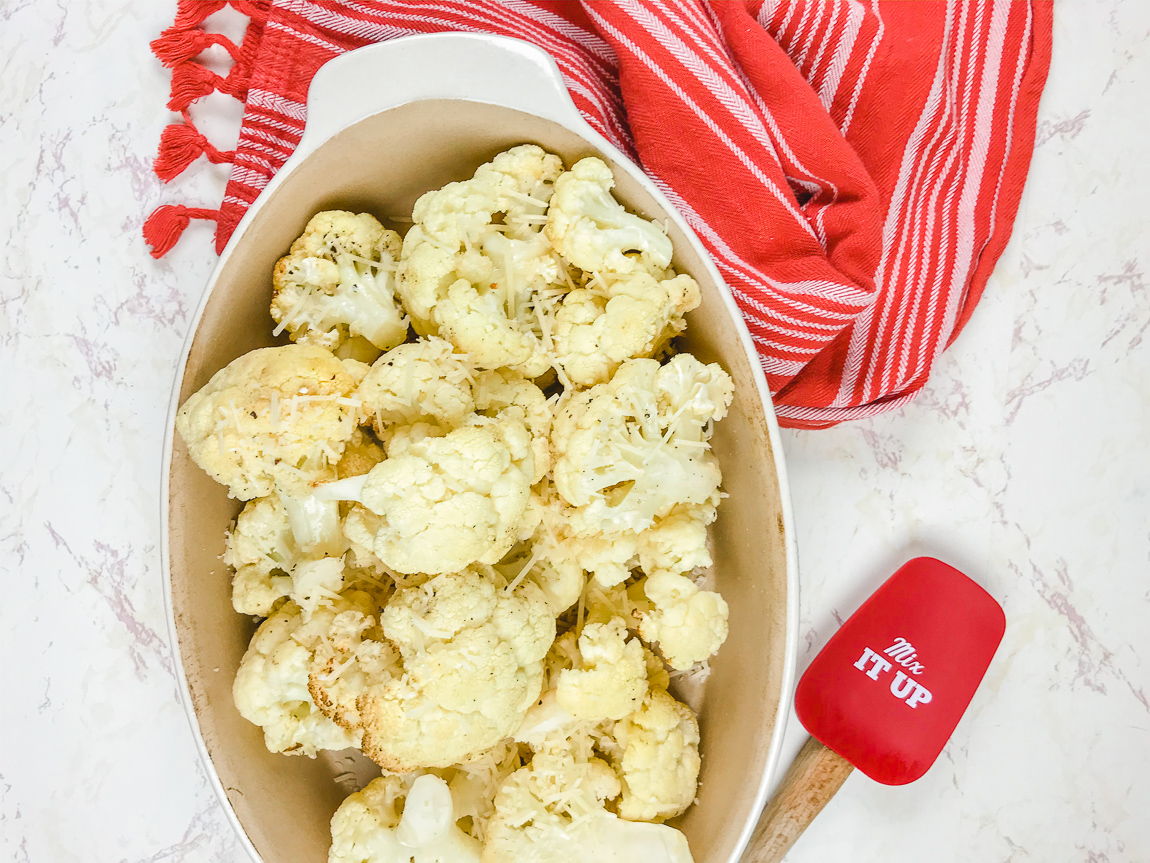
814, 777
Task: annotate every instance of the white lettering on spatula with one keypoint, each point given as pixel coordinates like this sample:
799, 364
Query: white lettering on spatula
902, 687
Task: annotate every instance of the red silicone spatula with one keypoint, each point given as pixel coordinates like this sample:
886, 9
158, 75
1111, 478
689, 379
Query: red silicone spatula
885, 693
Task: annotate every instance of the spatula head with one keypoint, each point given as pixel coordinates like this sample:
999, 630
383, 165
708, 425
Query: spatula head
890, 686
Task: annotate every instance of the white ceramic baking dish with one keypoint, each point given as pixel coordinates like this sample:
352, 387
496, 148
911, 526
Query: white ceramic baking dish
386, 123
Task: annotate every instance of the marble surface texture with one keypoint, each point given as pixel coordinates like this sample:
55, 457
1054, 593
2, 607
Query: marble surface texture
1025, 462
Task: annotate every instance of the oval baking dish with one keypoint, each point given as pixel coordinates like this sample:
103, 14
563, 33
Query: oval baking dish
386, 123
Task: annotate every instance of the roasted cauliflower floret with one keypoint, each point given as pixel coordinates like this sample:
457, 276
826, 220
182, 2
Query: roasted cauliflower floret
561, 584
630, 455
275, 418
611, 677
368, 826
425, 381
493, 320
503, 395
262, 551
446, 502
555, 809
257, 592
285, 546
471, 667
271, 685
316, 583
591, 679
517, 183
659, 767
609, 557
360, 526
635, 447
475, 258
677, 542
633, 317
352, 657
337, 284
525, 827
589, 228
687, 623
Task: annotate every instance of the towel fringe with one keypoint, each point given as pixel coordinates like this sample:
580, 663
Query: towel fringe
163, 228
189, 13
176, 46
191, 81
182, 144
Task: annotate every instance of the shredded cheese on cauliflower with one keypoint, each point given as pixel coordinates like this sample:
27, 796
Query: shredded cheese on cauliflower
479, 552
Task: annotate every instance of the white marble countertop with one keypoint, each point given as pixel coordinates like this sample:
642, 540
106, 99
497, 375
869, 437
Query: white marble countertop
1026, 462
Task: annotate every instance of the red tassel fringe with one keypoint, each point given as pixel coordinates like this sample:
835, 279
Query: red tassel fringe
189, 13
191, 81
180, 145
179, 46
163, 228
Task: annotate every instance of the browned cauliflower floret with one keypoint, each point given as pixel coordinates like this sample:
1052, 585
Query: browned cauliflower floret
353, 657
360, 455
271, 685
336, 287
471, 666
273, 419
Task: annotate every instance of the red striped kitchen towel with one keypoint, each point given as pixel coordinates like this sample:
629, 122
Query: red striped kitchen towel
854, 166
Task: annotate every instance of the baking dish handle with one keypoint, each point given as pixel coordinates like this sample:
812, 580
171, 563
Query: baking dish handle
492, 69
